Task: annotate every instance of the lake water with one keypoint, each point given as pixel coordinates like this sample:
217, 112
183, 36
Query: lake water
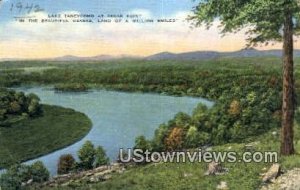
117, 117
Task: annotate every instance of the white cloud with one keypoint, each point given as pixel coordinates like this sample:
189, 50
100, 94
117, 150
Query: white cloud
153, 37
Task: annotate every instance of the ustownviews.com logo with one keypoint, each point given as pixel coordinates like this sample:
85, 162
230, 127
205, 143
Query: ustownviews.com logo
145, 156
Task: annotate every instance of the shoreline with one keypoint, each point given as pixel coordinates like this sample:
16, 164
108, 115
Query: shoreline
23, 161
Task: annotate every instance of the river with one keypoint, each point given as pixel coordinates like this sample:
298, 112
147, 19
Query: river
117, 117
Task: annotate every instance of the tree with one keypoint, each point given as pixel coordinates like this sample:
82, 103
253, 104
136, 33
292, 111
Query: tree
15, 107
2, 114
265, 21
9, 182
182, 119
195, 139
160, 134
39, 172
14, 176
142, 143
34, 108
86, 155
66, 164
100, 157
234, 108
175, 139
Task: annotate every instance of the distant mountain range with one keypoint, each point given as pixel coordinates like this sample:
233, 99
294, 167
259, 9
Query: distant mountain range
199, 55
196, 55
94, 58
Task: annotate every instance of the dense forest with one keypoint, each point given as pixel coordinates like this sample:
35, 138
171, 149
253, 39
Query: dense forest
246, 91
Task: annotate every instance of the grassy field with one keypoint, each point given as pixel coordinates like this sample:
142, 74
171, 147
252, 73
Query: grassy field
57, 128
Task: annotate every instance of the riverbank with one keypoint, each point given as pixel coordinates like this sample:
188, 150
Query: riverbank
58, 128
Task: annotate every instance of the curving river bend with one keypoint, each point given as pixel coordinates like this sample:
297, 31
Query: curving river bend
117, 117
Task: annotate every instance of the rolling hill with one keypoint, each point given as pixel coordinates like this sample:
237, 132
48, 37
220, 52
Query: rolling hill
196, 55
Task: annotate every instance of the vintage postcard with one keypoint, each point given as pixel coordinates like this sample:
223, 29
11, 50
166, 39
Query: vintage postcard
149, 94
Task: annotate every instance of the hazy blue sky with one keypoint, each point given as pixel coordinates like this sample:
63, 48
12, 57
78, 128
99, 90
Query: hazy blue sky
156, 7
37, 40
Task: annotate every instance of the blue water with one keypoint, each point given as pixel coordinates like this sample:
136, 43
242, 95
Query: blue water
117, 117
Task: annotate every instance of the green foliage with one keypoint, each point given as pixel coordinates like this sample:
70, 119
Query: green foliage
182, 176
100, 157
91, 157
18, 174
182, 119
37, 137
39, 172
238, 114
263, 18
196, 139
33, 106
66, 164
86, 155
159, 136
16, 106
247, 99
10, 182
142, 143
246, 92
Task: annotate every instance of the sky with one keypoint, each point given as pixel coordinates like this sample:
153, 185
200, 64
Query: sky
46, 40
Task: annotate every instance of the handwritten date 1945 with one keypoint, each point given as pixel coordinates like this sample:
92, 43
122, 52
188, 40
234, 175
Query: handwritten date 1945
25, 8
